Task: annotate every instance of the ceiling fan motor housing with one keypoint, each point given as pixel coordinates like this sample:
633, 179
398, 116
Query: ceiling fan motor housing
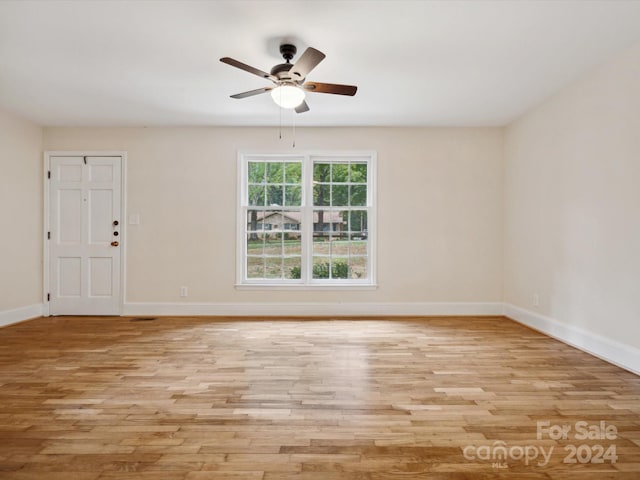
281, 71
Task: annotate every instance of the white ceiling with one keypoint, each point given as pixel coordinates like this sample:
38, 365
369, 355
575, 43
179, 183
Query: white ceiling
148, 63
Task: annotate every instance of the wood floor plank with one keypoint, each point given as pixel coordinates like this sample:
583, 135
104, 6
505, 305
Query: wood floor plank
97, 398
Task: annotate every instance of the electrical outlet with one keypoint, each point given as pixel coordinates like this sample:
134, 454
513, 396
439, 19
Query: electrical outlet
535, 300
184, 291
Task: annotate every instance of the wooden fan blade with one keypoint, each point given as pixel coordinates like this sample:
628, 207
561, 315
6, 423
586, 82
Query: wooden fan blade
303, 107
251, 93
307, 62
331, 88
247, 68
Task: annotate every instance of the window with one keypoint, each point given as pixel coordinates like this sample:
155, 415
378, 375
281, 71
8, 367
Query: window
306, 220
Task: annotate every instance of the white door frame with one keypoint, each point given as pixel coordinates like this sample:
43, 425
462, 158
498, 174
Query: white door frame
47, 212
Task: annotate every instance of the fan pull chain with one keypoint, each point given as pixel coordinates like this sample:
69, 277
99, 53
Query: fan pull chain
293, 113
280, 123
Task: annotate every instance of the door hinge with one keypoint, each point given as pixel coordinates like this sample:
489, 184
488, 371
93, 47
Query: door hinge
49, 174
48, 235
48, 297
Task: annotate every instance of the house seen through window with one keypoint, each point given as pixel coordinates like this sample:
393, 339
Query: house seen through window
306, 219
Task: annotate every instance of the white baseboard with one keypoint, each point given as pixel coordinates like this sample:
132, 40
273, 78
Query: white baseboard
619, 354
311, 309
20, 314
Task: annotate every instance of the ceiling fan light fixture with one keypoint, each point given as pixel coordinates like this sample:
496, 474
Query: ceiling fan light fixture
287, 96
290, 79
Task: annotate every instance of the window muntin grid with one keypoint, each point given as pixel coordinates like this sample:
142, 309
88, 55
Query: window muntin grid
307, 220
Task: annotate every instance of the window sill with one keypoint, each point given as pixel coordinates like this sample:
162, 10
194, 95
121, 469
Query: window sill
300, 287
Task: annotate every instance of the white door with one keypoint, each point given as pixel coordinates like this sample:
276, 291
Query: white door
85, 221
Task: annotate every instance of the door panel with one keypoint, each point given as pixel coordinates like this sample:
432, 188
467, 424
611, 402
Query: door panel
100, 208
69, 224
85, 201
69, 278
68, 172
101, 173
100, 275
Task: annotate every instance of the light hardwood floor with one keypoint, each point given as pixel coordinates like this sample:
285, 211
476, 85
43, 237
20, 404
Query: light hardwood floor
309, 399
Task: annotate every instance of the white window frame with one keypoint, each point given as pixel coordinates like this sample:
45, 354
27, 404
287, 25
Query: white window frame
306, 282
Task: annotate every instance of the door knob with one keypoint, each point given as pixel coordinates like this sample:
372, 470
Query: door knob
114, 244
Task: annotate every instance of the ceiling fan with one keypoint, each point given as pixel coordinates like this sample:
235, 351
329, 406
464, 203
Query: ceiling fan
289, 79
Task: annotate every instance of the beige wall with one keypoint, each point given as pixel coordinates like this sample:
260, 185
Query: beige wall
20, 213
572, 204
439, 209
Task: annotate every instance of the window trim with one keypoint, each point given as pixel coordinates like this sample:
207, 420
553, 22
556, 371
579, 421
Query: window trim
306, 230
